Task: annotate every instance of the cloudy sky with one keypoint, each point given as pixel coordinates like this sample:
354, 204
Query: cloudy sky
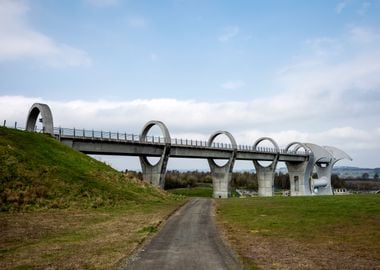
304, 71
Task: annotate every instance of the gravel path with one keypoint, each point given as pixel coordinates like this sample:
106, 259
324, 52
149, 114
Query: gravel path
189, 240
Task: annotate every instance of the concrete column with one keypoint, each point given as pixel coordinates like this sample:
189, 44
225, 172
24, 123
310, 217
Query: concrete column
222, 175
155, 174
300, 172
46, 115
265, 174
299, 176
265, 178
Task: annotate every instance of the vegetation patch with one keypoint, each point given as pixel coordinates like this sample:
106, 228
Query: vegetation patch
38, 172
319, 232
202, 191
61, 209
77, 239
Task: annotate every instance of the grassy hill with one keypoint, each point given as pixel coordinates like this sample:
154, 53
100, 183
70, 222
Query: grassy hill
61, 209
37, 171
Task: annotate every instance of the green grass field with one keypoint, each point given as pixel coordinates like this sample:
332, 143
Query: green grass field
193, 192
39, 172
61, 209
284, 231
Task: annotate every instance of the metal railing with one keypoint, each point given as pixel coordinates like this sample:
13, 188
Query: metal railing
125, 137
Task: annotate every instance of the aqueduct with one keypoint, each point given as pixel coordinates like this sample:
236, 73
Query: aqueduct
302, 159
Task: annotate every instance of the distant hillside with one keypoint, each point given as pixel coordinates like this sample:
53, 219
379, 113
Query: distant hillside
37, 171
346, 171
353, 172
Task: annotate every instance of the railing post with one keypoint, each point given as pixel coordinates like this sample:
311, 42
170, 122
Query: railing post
92, 133
16, 125
74, 132
101, 134
5, 121
117, 135
133, 137
109, 134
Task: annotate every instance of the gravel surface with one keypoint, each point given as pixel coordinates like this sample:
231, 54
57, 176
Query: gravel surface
189, 240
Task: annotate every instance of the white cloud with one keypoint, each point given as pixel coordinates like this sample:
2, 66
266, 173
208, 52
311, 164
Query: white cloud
137, 22
228, 33
102, 3
341, 6
352, 68
232, 85
19, 41
362, 35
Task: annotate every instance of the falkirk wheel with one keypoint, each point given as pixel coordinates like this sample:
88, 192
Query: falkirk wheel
319, 162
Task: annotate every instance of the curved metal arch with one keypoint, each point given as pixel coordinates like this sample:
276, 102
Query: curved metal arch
337, 153
275, 159
233, 143
320, 153
299, 145
47, 118
165, 133
266, 139
161, 125
220, 132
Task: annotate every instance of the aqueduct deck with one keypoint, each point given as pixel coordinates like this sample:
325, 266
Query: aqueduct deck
301, 159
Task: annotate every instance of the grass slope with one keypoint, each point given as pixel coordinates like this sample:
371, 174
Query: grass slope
64, 210
37, 171
319, 232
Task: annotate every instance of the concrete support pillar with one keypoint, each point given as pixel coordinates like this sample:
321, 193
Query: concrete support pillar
300, 172
299, 176
46, 116
222, 175
265, 174
265, 178
155, 173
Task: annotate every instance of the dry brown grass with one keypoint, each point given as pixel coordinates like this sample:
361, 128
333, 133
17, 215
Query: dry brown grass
76, 239
283, 253
303, 233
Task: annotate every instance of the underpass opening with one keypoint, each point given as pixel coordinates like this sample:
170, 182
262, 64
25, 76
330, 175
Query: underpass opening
244, 179
187, 173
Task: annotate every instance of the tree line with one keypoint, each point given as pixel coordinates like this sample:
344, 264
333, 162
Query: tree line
248, 180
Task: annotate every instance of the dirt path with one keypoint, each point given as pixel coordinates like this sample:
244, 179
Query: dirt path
189, 240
